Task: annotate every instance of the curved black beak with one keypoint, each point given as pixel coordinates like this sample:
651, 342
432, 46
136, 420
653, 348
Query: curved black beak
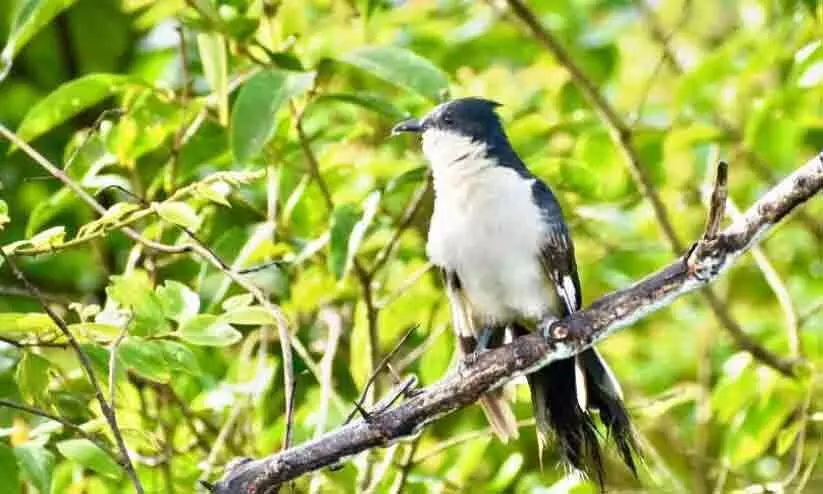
410, 125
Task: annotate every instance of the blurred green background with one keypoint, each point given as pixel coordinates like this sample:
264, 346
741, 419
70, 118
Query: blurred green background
138, 99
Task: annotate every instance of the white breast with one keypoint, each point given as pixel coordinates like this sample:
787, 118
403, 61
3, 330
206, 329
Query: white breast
487, 229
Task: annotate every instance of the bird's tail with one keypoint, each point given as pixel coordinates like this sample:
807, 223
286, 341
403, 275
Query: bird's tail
495, 406
563, 393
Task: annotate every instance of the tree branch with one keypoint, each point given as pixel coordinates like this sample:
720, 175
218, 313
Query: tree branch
566, 337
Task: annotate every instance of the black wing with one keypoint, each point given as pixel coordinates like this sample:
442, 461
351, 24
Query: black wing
557, 250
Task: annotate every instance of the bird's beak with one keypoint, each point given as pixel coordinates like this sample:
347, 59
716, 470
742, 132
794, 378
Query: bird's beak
410, 125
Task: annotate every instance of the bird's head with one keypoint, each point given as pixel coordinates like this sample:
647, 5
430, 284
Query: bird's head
457, 127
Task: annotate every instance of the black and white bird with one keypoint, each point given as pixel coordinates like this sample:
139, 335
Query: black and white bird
498, 235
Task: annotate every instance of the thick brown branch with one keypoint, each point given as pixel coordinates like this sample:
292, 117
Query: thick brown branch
491, 369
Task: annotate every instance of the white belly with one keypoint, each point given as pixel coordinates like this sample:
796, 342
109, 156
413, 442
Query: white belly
487, 229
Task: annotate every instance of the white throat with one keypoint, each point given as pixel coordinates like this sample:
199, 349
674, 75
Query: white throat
453, 156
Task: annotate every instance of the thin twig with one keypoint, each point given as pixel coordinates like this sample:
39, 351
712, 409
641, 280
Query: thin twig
406, 219
442, 446
405, 468
65, 423
108, 412
800, 441
717, 203
809, 313
376, 371
334, 325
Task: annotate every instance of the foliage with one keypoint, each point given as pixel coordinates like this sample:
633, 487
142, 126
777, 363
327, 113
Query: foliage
257, 145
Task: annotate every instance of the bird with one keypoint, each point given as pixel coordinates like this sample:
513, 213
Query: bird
499, 238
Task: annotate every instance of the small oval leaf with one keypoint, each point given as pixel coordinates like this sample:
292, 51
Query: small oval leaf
402, 68
178, 213
253, 115
249, 315
68, 100
209, 330
87, 454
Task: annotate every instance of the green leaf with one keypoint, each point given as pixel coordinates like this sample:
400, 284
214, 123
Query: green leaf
178, 213
402, 68
506, 473
145, 357
253, 115
46, 210
360, 361
213, 55
359, 230
237, 301
786, 437
134, 291
68, 100
21, 324
88, 455
343, 219
215, 192
95, 330
31, 16
180, 303
4, 214
209, 330
9, 471
50, 237
36, 465
749, 439
179, 357
255, 315
32, 378
367, 100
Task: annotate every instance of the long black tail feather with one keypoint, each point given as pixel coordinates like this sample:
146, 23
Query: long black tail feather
613, 414
560, 418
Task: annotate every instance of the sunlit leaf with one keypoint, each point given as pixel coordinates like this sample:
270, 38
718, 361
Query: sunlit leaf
343, 220
48, 238
178, 213
253, 115
145, 357
402, 68
68, 100
134, 291
209, 330
249, 315
36, 465
86, 453
237, 301
358, 232
179, 302
507, 473
12, 323
33, 377
786, 437
30, 17
178, 357
4, 214
213, 55
370, 101
9, 471
749, 439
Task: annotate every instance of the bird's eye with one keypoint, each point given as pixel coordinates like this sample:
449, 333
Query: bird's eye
448, 120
